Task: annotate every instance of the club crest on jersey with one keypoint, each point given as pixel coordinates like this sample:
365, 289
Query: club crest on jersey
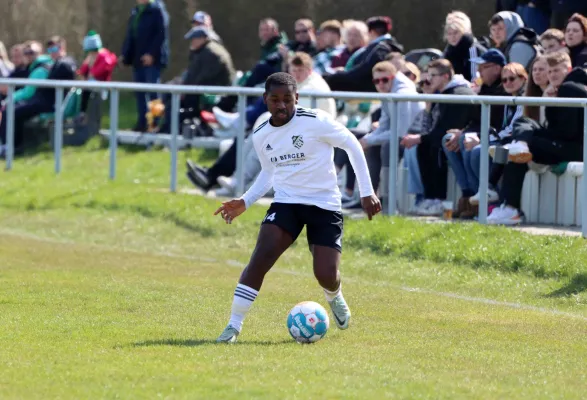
297, 141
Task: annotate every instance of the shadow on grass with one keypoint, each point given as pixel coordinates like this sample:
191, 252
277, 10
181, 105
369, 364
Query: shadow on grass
576, 285
206, 342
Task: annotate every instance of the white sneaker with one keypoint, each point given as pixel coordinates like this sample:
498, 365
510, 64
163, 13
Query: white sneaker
229, 335
225, 119
429, 208
340, 309
518, 152
226, 182
504, 215
492, 197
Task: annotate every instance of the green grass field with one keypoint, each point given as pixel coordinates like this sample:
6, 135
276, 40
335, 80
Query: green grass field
118, 290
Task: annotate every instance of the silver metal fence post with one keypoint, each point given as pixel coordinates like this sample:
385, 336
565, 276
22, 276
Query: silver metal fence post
484, 171
174, 133
313, 102
584, 179
9, 127
58, 129
240, 142
393, 150
114, 96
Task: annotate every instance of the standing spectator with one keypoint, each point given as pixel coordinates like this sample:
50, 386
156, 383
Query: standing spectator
210, 65
458, 145
506, 5
355, 37
535, 14
358, 78
6, 66
576, 39
552, 40
563, 9
146, 49
202, 18
461, 45
98, 65
330, 40
431, 159
517, 43
559, 141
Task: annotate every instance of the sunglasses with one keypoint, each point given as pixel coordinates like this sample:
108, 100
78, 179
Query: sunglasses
509, 79
424, 82
301, 31
377, 81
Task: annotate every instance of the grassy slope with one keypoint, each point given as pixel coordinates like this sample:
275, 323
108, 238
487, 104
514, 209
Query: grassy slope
116, 288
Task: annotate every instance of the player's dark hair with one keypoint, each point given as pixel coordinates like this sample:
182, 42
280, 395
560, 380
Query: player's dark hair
280, 79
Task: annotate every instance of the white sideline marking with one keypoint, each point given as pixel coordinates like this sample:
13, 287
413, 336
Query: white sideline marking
238, 264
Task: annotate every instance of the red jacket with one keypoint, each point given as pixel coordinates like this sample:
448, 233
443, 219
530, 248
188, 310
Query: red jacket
103, 66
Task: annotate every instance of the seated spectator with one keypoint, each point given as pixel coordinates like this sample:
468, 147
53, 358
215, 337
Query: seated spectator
358, 78
517, 43
412, 71
21, 68
203, 19
210, 64
431, 159
355, 37
576, 39
270, 60
146, 49
461, 45
515, 79
537, 84
98, 65
301, 69
559, 141
304, 39
6, 66
397, 59
552, 40
460, 146
331, 41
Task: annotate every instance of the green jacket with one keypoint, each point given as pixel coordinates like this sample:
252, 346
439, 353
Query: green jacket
40, 69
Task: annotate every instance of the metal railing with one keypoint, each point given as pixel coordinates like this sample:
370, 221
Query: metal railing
393, 100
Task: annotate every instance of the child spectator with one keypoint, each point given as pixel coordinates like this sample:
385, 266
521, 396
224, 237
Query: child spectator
576, 39
552, 40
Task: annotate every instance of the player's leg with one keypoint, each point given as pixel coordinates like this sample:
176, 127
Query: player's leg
279, 230
325, 230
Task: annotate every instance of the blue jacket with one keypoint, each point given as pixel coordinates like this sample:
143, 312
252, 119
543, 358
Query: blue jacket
151, 36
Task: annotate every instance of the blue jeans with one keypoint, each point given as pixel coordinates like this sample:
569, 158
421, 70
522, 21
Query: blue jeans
145, 75
415, 185
534, 18
463, 165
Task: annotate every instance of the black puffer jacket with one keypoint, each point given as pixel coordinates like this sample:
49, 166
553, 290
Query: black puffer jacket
459, 55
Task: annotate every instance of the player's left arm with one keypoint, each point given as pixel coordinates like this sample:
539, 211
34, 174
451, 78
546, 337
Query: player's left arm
337, 135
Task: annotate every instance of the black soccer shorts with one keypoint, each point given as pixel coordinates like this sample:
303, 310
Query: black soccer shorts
323, 227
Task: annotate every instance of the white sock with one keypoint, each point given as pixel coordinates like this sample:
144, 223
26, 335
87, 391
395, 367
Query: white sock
241, 304
332, 295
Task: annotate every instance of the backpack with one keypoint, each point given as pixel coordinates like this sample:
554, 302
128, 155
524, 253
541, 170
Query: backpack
525, 35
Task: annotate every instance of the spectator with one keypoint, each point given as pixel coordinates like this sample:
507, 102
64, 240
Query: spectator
517, 43
537, 84
21, 68
576, 39
98, 65
552, 40
358, 78
301, 68
535, 14
64, 69
146, 49
563, 9
210, 65
559, 141
397, 59
203, 19
431, 160
330, 41
270, 61
27, 105
460, 145
514, 78
305, 38
6, 66
412, 71
355, 37
461, 45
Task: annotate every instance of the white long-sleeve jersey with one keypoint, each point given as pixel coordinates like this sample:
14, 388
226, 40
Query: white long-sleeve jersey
297, 160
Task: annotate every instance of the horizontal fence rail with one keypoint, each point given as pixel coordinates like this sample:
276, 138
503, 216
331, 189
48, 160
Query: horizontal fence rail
176, 90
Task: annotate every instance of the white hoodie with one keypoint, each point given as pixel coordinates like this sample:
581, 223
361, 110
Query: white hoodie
316, 83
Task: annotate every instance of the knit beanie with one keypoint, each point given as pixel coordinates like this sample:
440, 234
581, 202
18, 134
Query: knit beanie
92, 41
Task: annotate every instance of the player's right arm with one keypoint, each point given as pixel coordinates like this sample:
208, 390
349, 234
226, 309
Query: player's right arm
233, 208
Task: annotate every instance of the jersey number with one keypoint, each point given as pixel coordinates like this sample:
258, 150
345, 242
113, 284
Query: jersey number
270, 217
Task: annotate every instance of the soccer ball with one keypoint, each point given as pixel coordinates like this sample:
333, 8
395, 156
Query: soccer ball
308, 322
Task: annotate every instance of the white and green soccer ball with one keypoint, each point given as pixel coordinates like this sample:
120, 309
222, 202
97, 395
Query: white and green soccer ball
308, 322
